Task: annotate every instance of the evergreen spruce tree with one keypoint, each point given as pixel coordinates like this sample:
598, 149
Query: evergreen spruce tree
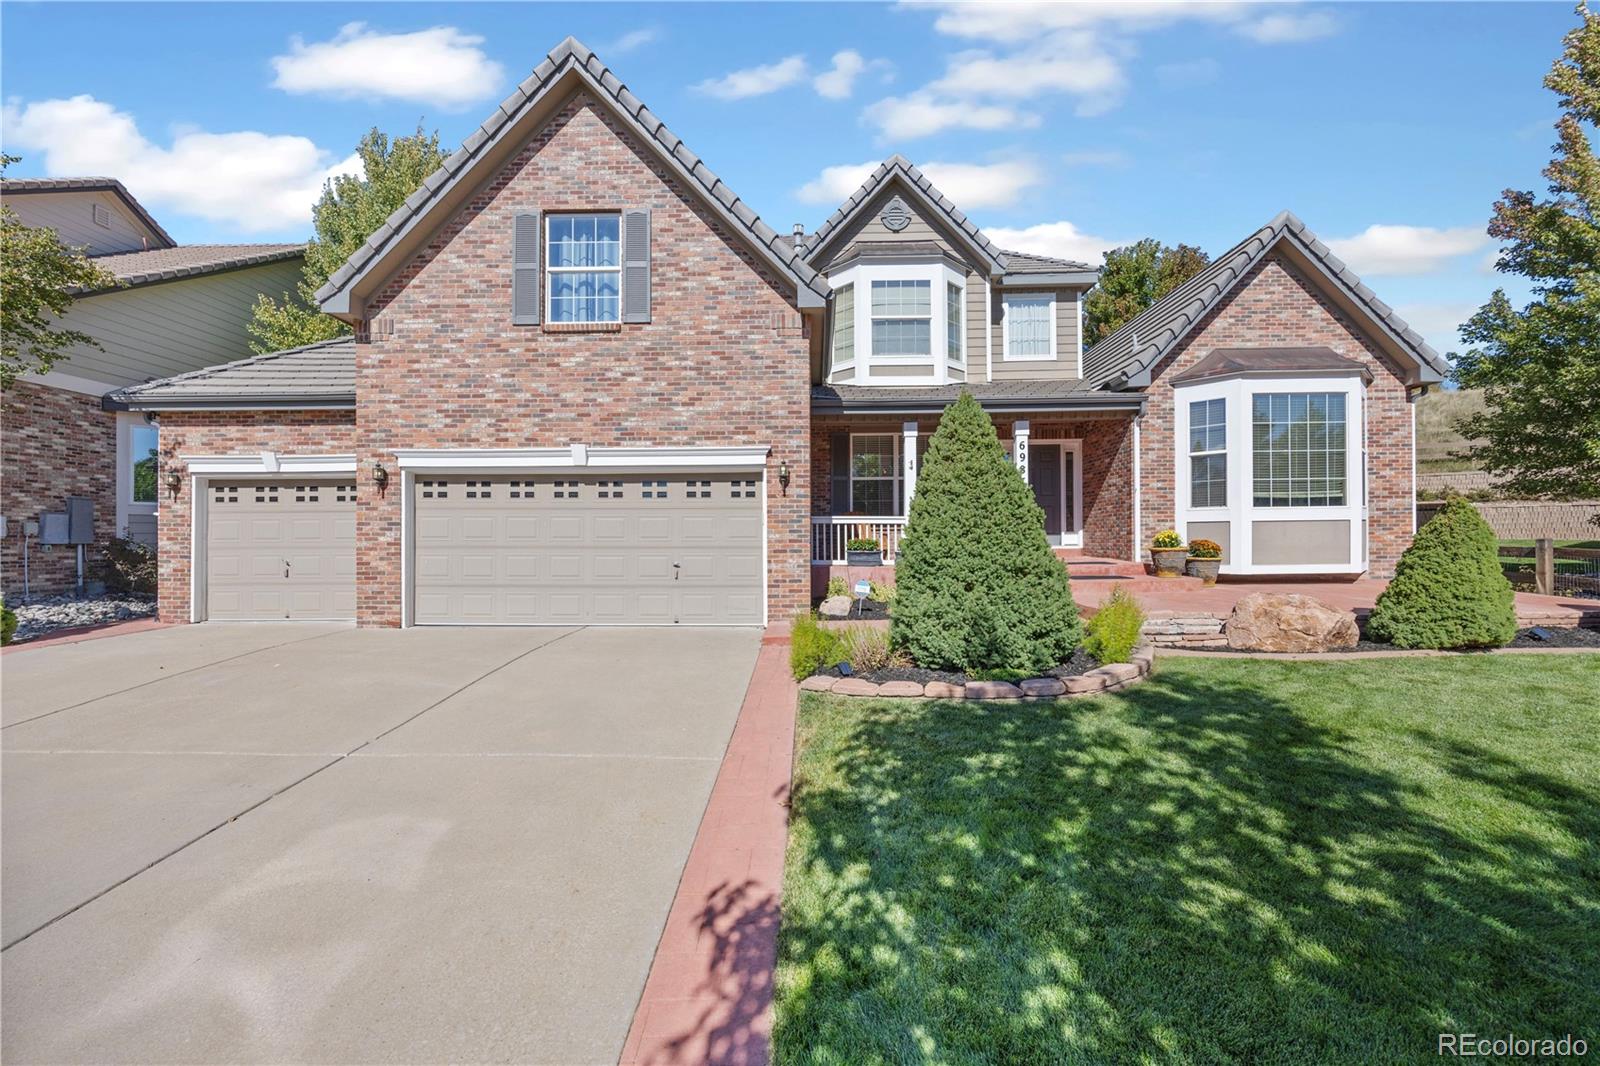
1448, 589
979, 587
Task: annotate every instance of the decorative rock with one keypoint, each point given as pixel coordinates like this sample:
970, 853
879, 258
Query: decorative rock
900, 688
1289, 622
1116, 673
818, 683
854, 686
835, 607
1043, 686
992, 690
1090, 682
54, 613
944, 690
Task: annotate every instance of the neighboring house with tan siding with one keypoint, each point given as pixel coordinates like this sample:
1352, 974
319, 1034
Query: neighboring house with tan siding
178, 308
588, 385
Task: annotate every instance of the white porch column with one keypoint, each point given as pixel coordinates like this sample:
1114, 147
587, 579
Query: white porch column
1019, 447
908, 460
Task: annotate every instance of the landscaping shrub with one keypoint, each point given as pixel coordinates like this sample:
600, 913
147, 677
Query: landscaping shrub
1448, 589
1201, 548
8, 623
861, 544
977, 585
867, 648
130, 566
884, 594
812, 646
837, 586
1114, 629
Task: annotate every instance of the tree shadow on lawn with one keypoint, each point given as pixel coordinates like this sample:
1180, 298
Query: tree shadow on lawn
1191, 870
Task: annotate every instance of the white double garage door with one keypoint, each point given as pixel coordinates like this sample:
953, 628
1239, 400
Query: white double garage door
501, 549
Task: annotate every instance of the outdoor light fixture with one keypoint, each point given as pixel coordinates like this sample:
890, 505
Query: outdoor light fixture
783, 477
380, 475
174, 482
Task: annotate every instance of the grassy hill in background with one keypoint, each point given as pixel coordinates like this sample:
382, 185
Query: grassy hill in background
1437, 437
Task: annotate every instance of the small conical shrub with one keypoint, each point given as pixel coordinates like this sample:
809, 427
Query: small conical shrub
1448, 589
979, 587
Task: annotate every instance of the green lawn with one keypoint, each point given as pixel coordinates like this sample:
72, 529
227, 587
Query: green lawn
1240, 860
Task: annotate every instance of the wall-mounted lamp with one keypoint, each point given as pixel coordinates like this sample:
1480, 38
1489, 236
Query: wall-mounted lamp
174, 482
380, 476
783, 477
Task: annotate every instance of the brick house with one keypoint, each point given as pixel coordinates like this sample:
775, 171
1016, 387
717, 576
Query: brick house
589, 385
177, 307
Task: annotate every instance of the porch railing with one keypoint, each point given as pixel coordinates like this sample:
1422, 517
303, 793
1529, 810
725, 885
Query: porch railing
831, 533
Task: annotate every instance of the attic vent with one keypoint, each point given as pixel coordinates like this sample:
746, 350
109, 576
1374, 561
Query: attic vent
102, 217
896, 215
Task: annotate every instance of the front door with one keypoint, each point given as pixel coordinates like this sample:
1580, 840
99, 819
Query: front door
1044, 473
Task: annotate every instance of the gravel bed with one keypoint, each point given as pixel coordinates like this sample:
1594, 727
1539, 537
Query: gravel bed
43, 617
1081, 662
1559, 638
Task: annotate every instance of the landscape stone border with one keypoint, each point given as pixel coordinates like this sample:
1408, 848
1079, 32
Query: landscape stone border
1106, 678
1350, 656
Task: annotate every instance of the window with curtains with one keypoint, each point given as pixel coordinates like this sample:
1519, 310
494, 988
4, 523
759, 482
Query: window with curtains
1298, 449
844, 325
1208, 453
874, 473
585, 268
952, 322
902, 318
1030, 331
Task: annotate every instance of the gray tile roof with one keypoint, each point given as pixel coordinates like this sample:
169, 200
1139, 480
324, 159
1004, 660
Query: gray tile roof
570, 55
1226, 362
1128, 356
1029, 263
999, 395
316, 375
112, 185
190, 260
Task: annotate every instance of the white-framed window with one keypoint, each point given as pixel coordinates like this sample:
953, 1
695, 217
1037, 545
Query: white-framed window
143, 444
875, 473
844, 326
1298, 448
902, 318
1028, 326
1208, 453
953, 322
583, 262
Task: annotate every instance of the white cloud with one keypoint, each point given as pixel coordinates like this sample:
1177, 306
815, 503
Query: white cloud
1290, 27
839, 82
632, 40
1096, 157
972, 185
1439, 323
1383, 249
756, 81
919, 115
441, 66
1060, 239
1070, 63
254, 182
1190, 72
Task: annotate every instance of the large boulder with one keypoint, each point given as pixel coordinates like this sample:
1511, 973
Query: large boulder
835, 607
1278, 621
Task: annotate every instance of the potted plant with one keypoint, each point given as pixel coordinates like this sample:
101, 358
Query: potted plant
1205, 560
863, 551
1168, 553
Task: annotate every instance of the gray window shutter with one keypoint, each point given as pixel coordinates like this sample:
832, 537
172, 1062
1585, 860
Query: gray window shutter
839, 447
525, 296
636, 265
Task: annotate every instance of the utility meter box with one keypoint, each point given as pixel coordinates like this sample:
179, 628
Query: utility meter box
53, 528
80, 520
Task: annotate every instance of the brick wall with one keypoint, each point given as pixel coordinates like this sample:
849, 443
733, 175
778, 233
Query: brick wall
713, 367
233, 433
1107, 466
55, 444
1276, 306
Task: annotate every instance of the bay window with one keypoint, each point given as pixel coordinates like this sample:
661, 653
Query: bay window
585, 268
844, 327
902, 318
952, 322
1298, 449
898, 322
1208, 453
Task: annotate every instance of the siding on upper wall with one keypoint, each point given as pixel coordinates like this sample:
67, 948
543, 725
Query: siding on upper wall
155, 331
71, 215
1065, 364
977, 332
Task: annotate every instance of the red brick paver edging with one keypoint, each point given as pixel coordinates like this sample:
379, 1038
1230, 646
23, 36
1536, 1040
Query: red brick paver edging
708, 998
1101, 679
82, 633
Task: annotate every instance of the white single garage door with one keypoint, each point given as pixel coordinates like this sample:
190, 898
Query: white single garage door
623, 550
280, 549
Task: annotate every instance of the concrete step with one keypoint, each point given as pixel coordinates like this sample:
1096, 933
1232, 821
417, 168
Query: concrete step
1089, 566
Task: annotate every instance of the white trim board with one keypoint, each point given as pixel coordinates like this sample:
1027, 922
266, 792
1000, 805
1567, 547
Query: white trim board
627, 458
268, 462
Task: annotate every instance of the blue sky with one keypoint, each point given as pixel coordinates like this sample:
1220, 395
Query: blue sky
1389, 128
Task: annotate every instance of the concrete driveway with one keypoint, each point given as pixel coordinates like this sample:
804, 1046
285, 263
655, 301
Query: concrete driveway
312, 843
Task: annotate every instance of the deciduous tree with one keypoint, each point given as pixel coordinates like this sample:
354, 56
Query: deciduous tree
1135, 277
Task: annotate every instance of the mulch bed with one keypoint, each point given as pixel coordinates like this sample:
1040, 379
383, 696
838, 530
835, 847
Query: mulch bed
868, 608
1559, 638
1081, 662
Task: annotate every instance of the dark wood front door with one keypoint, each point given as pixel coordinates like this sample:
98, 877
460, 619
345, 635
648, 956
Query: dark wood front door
1044, 474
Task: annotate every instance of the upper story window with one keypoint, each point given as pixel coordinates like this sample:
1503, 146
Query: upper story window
902, 318
1298, 449
1030, 326
844, 326
952, 321
585, 268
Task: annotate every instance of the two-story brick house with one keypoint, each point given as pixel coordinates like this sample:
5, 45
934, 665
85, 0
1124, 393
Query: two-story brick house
590, 385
